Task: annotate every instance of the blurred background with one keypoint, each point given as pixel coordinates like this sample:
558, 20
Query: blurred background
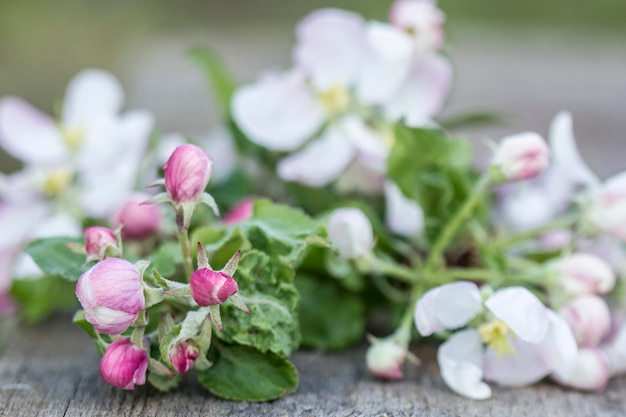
527, 59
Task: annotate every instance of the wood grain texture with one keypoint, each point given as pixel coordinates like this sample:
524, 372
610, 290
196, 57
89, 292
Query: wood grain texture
52, 370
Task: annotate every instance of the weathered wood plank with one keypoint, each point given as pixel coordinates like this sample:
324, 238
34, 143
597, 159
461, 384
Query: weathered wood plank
52, 370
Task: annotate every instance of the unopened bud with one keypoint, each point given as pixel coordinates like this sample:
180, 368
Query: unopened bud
210, 287
124, 365
242, 211
608, 211
521, 156
138, 220
187, 173
111, 294
183, 356
98, 240
590, 371
385, 359
583, 273
351, 232
589, 318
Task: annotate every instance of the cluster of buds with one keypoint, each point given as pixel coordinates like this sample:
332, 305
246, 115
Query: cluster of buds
116, 295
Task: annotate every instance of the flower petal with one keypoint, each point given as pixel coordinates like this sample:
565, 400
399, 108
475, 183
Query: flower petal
527, 366
519, 309
461, 364
321, 162
18, 222
330, 47
119, 142
387, 63
423, 93
560, 348
565, 152
369, 143
28, 134
90, 95
279, 112
448, 306
403, 216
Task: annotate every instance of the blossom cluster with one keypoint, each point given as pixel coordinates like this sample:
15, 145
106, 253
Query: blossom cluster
516, 266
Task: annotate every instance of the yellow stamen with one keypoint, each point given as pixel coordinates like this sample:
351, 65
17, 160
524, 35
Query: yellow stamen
73, 137
336, 99
494, 334
56, 182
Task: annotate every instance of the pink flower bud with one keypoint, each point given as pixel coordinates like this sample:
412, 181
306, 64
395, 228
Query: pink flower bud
589, 318
556, 239
608, 211
583, 273
98, 239
242, 211
521, 156
124, 365
351, 232
590, 371
183, 356
210, 287
422, 20
187, 173
139, 220
385, 359
111, 294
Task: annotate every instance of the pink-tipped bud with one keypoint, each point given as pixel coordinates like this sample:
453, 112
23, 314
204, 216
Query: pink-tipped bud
590, 371
608, 212
422, 20
183, 356
385, 359
139, 220
556, 239
589, 318
242, 211
111, 294
351, 232
210, 287
124, 365
583, 273
98, 240
521, 156
187, 173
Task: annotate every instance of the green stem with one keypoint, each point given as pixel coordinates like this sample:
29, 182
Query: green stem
183, 237
563, 223
446, 236
392, 269
470, 274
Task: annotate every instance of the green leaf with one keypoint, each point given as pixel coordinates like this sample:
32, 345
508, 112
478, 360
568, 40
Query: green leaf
244, 374
282, 231
266, 286
434, 171
218, 75
165, 259
163, 383
54, 257
38, 298
330, 317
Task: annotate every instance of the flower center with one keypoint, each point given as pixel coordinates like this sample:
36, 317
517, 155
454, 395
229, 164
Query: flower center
336, 99
73, 137
56, 182
494, 334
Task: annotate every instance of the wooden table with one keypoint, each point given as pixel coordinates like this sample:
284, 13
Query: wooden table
51, 370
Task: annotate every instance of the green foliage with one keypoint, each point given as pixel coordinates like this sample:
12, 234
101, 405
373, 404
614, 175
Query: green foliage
245, 374
55, 258
165, 259
163, 383
40, 297
266, 286
474, 119
80, 321
434, 171
330, 316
